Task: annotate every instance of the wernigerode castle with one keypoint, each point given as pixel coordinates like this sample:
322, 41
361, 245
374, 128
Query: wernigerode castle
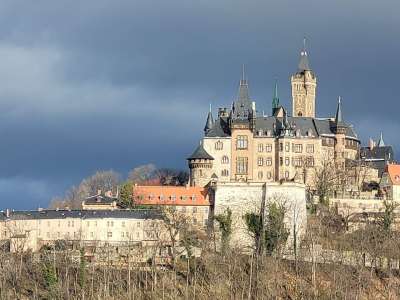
242, 145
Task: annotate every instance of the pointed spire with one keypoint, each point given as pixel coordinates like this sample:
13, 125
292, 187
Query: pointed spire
243, 87
339, 117
275, 98
304, 64
209, 122
381, 143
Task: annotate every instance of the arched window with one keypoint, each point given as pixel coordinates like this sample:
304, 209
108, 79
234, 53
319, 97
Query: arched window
219, 145
225, 159
300, 114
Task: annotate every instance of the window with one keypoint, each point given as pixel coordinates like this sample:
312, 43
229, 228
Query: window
298, 148
287, 174
310, 161
109, 234
260, 161
183, 198
287, 161
297, 162
193, 198
225, 159
194, 209
268, 161
310, 148
268, 148
241, 165
122, 234
173, 198
91, 234
219, 145
287, 147
123, 223
161, 197
225, 173
138, 224
260, 147
260, 175
241, 142
269, 175
280, 146
281, 161
183, 209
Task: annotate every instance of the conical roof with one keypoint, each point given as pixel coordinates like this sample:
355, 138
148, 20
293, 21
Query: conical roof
304, 64
200, 153
275, 98
209, 122
338, 116
381, 143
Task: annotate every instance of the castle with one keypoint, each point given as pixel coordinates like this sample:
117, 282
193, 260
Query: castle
241, 145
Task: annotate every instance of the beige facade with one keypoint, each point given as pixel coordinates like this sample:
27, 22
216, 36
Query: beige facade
274, 147
31, 230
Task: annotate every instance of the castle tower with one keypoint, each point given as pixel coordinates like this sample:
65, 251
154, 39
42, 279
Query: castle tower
200, 166
339, 128
304, 84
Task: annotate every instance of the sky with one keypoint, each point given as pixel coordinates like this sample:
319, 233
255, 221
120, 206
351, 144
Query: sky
98, 85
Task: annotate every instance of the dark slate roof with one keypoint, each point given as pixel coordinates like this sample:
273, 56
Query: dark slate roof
242, 107
304, 64
220, 128
385, 153
99, 200
209, 122
200, 153
81, 214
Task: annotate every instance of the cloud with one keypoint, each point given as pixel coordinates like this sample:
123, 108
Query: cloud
109, 85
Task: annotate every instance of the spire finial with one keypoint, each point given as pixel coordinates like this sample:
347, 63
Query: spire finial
243, 72
210, 107
304, 45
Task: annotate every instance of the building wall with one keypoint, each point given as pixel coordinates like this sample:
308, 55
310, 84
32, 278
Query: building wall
247, 197
264, 159
213, 147
97, 230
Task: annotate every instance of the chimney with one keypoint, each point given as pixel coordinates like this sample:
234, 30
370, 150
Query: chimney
7, 212
98, 192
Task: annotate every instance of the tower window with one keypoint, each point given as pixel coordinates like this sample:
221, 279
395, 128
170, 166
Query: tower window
260, 161
300, 114
225, 172
241, 142
268, 161
219, 145
260, 147
225, 159
268, 148
242, 165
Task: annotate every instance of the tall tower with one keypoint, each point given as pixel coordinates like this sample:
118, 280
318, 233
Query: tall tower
339, 128
304, 84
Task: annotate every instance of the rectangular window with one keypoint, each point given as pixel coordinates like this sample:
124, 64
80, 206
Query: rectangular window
260, 147
260, 161
194, 209
298, 148
297, 162
268, 148
287, 147
109, 234
287, 161
268, 161
281, 161
280, 146
241, 165
241, 142
310, 148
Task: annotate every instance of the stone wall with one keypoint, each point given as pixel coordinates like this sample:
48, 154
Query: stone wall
248, 197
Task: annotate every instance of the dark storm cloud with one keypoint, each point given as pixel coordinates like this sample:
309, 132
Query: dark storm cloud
112, 84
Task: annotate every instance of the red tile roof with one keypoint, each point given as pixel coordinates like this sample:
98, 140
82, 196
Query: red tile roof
394, 173
170, 195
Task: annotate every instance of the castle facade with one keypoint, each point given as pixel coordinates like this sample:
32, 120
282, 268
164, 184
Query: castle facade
241, 145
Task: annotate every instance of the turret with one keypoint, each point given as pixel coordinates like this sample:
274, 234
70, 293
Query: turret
200, 165
304, 84
275, 99
339, 129
209, 122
